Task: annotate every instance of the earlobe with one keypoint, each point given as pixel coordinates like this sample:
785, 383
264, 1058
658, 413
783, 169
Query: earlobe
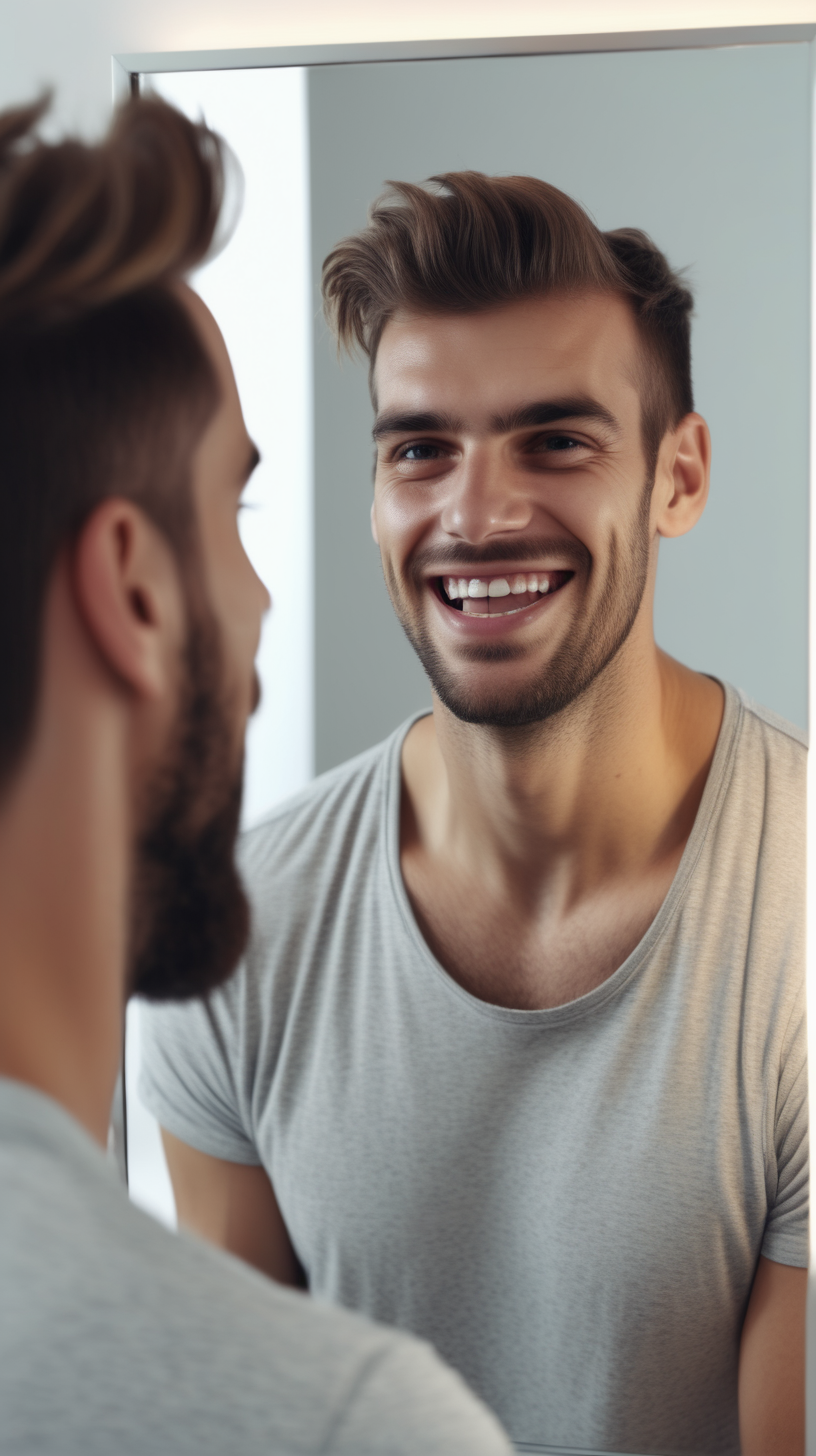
129, 595
684, 464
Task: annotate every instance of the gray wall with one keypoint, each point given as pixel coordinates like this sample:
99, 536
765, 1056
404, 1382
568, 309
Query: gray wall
709, 152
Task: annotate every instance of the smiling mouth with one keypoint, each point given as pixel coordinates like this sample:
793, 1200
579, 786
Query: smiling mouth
500, 596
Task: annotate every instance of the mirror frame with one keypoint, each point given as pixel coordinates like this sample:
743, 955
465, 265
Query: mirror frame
127, 70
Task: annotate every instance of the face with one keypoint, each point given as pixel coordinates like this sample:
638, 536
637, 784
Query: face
512, 504
191, 920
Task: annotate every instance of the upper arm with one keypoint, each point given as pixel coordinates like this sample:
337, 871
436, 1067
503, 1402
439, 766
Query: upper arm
234, 1206
772, 1363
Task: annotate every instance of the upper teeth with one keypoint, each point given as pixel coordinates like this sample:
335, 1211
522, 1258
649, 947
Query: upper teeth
497, 586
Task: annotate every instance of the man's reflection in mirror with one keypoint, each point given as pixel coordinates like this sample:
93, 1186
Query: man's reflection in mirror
516, 1057
129, 621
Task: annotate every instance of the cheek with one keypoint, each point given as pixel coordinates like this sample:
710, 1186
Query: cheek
251, 601
239, 639
401, 517
596, 511
239, 602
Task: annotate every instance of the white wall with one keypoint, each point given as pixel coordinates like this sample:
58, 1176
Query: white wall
68, 43
259, 289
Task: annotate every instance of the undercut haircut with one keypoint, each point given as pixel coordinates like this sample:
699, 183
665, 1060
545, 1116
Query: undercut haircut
105, 386
464, 242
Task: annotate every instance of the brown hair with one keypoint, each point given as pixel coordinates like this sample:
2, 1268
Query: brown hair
105, 387
465, 242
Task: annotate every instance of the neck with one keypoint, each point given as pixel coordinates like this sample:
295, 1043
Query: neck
615, 778
63, 885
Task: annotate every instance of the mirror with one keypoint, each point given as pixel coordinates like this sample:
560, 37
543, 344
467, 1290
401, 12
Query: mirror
707, 150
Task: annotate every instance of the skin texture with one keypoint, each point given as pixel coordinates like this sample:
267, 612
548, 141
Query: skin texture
544, 851
772, 1363
233, 1206
565, 834
114, 630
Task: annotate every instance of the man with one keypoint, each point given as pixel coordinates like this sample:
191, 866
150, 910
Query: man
516, 1058
129, 624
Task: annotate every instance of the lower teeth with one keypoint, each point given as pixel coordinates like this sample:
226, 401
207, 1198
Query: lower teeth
496, 610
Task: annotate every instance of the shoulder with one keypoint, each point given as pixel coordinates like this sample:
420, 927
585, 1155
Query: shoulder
253, 1365
757, 867
314, 823
387, 1419
770, 759
321, 847
775, 732
349, 1385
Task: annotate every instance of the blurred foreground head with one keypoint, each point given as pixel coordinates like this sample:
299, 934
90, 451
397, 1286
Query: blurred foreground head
115, 387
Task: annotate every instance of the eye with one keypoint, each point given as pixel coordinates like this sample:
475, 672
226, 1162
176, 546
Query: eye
562, 444
418, 452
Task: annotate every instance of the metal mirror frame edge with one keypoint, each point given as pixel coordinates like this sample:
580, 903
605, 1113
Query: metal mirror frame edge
126, 67
126, 71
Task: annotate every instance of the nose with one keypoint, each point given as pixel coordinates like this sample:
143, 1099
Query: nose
485, 498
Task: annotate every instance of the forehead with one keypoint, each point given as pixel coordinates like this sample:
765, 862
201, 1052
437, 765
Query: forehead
586, 344
213, 341
225, 444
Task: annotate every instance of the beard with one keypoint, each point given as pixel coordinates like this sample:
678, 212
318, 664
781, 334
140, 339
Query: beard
191, 916
575, 666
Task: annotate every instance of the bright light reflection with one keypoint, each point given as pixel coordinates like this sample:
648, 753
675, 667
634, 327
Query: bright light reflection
259, 289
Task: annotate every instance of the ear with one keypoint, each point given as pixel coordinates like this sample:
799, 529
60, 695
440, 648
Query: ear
682, 477
374, 531
130, 596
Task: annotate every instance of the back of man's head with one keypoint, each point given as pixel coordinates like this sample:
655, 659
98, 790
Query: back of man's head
105, 386
465, 242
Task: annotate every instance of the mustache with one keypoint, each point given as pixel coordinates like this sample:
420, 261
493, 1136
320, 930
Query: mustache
526, 549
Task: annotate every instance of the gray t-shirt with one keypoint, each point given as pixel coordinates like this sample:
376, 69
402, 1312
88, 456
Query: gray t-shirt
569, 1203
119, 1339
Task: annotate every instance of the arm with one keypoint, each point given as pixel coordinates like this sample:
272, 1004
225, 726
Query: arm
234, 1206
772, 1363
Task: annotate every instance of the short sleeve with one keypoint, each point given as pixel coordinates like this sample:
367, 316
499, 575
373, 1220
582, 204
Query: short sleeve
191, 1072
786, 1229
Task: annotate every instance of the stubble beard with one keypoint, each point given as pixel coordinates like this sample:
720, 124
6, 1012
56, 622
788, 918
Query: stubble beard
190, 920
577, 664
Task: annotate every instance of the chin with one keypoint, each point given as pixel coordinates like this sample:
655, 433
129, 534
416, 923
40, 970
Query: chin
500, 712
503, 704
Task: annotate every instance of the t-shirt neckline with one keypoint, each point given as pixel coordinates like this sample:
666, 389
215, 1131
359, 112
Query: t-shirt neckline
710, 803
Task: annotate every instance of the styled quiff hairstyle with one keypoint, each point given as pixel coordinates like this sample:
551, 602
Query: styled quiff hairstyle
465, 242
105, 387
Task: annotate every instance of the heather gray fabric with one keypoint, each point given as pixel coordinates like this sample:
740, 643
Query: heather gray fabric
119, 1339
568, 1203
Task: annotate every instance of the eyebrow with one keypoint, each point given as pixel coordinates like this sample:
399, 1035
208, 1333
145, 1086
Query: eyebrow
524, 417
548, 412
398, 423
